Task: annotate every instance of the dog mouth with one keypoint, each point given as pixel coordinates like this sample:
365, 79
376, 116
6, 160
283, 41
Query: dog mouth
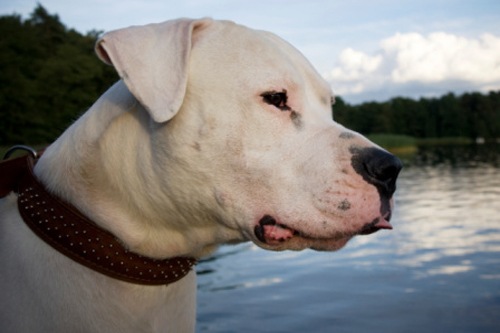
268, 231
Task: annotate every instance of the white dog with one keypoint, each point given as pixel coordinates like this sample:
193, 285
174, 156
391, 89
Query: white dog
216, 134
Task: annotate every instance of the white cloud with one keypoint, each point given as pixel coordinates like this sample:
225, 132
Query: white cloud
406, 61
355, 65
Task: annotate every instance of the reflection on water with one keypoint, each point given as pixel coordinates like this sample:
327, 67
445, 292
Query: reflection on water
438, 270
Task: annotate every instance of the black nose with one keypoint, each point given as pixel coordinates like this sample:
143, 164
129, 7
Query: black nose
377, 167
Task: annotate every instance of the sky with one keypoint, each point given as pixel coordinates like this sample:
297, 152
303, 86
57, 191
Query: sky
367, 50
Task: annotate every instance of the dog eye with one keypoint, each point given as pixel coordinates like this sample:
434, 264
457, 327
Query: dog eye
278, 99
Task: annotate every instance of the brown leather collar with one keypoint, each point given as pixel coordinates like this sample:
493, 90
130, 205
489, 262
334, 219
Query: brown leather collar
67, 230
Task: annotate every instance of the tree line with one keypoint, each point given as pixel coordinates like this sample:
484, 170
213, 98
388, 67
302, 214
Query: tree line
49, 76
470, 115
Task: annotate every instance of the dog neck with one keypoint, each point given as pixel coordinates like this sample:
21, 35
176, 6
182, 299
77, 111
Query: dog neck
68, 231
104, 164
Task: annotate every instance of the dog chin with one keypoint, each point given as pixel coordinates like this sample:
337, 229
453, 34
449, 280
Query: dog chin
299, 243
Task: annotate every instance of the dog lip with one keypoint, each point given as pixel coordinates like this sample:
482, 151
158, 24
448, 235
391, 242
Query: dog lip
375, 226
368, 231
267, 220
259, 233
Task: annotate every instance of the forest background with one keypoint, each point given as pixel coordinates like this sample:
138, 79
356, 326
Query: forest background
49, 76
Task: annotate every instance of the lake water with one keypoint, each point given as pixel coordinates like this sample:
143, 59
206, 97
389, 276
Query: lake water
437, 271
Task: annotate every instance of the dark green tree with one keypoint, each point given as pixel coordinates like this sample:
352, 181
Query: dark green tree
49, 75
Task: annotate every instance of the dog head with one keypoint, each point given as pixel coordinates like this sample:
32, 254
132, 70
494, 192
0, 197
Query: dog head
241, 127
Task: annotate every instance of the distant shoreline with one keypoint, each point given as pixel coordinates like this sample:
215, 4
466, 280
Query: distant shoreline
404, 144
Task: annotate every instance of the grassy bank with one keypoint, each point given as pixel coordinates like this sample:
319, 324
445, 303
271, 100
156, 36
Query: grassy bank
444, 141
398, 144
401, 144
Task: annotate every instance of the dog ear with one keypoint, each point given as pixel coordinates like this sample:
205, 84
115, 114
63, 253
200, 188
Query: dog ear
153, 62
